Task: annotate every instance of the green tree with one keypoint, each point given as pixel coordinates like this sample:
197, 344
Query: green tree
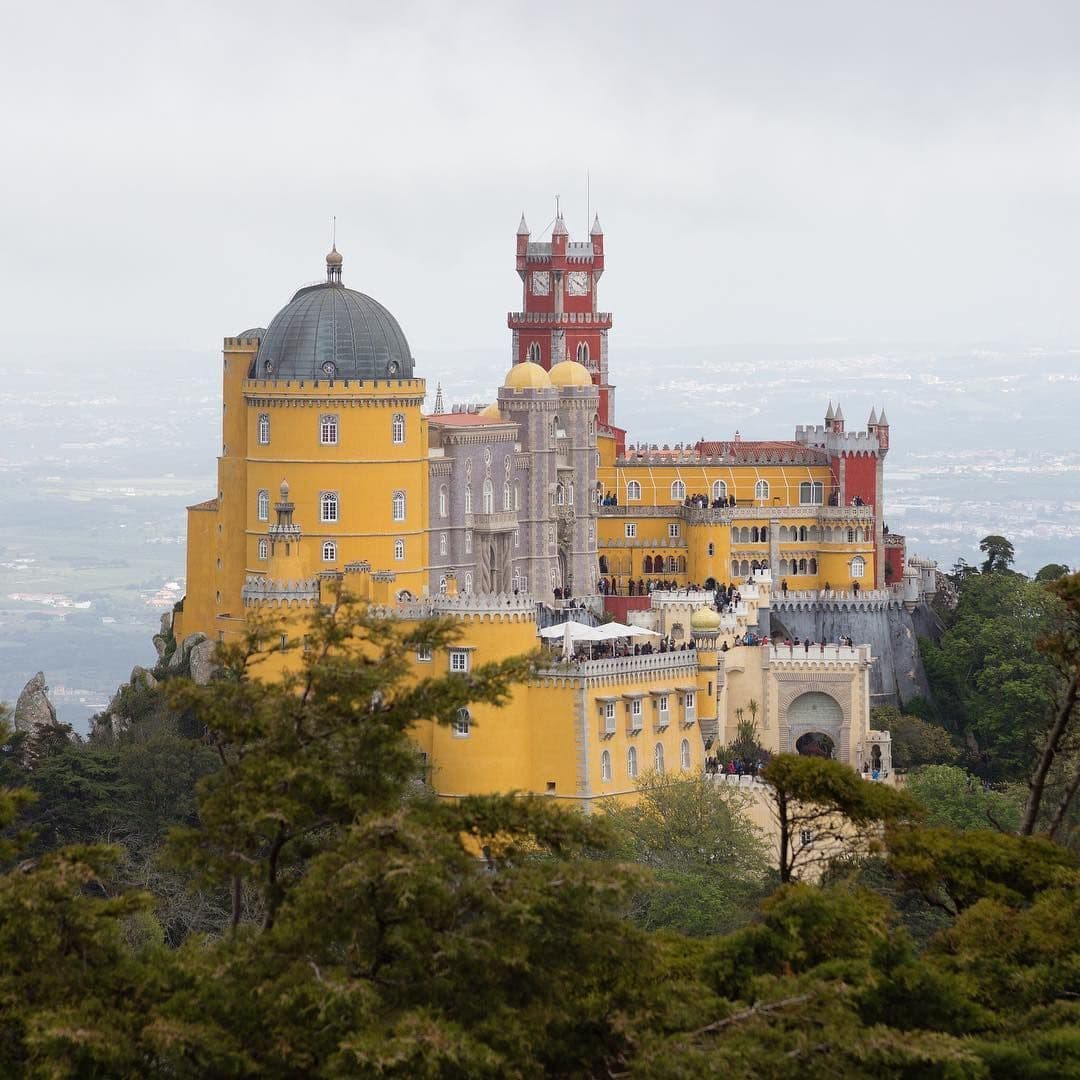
955, 798
824, 810
710, 863
1051, 572
915, 741
999, 554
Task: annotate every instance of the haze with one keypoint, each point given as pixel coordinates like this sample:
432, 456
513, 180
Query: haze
764, 173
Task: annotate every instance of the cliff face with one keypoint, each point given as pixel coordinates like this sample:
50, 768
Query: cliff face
890, 628
34, 709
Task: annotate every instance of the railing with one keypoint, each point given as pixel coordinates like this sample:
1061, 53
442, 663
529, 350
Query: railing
811, 595
496, 521
634, 666
546, 317
725, 515
817, 653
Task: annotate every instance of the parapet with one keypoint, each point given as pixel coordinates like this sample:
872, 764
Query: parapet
261, 590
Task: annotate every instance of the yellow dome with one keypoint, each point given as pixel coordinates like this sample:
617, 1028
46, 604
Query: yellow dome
527, 376
706, 619
491, 411
570, 373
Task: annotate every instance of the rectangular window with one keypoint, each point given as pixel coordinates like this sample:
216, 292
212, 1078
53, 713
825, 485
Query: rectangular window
631, 530
806, 837
635, 714
609, 717
423, 654
673, 529
811, 493
459, 660
328, 430
688, 701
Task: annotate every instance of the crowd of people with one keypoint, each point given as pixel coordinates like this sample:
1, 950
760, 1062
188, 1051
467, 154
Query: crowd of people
736, 767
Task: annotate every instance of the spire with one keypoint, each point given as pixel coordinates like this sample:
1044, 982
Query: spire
839, 412
829, 414
883, 420
872, 422
523, 228
560, 226
439, 406
596, 230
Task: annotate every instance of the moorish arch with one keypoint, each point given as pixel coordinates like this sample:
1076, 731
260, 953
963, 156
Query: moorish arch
816, 700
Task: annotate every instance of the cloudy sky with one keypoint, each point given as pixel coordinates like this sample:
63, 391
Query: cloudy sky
769, 172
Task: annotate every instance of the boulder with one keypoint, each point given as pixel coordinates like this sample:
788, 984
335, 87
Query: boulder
161, 645
166, 624
140, 675
34, 709
201, 662
180, 659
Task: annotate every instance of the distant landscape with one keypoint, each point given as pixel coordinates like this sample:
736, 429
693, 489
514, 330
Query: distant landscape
100, 456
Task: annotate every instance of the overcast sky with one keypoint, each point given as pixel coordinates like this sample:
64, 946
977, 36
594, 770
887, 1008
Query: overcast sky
765, 172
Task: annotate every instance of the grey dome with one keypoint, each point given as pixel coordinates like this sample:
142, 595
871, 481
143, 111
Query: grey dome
328, 331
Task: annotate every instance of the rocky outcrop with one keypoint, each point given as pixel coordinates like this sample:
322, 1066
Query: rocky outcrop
34, 709
180, 661
201, 665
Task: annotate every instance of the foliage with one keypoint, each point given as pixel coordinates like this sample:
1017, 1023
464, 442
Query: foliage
999, 554
1051, 572
915, 741
709, 862
825, 810
954, 798
746, 745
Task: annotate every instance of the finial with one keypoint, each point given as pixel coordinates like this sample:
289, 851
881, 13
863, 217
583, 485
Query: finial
883, 420
284, 490
839, 412
523, 228
439, 406
872, 422
829, 414
596, 230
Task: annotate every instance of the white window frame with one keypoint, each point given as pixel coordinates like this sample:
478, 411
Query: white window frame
328, 430
443, 543
399, 550
663, 712
631, 530
397, 429
678, 490
468, 541
329, 551
609, 718
444, 501
329, 507
462, 723
262, 507
719, 489
398, 506
264, 429
459, 661
488, 497
811, 493
264, 549
684, 755
605, 767
858, 567
423, 654
673, 530
761, 490
689, 700
631, 762
633, 491
658, 759
468, 498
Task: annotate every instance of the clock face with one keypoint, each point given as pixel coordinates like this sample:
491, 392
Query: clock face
577, 283
541, 283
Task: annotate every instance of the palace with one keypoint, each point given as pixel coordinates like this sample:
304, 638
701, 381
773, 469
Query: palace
331, 476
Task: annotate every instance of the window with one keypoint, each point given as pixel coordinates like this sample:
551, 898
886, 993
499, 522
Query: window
489, 497
399, 550
560, 495
678, 490
631, 762
633, 491
851, 536
264, 549
468, 542
719, 489
684, 755
605, 767
711, 549
673, 529
467, 587
508, 497
468, 498
688, 701
398, 506
534, 352
328, 430
423, 654
761, 489
442, 543
658, 758
444, 501
631, 530
517, 538
462, 723
459, 660
635, 714
264, 429
812, 493
517, 496
582, 353
570, 494
858, 566
806, 837
397, 428
264, 505
328, 506
442, 585
662, 712
329, 551
609, 717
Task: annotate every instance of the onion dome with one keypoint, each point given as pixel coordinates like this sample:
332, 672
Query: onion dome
705, 620
330, 332
570, 373
491, 412
527, 376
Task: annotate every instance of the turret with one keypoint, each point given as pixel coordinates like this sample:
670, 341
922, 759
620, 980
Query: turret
838, 420
596, 234
522, 238
883, 431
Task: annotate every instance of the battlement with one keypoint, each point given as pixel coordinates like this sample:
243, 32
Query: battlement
483, 607
268, 389
259, 590
521, 319
818, 437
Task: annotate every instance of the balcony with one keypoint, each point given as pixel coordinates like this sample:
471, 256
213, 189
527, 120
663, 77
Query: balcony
725, 515
496, 521
816, 654
630, 668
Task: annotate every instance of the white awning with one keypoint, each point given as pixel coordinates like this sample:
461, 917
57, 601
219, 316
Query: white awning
577, 631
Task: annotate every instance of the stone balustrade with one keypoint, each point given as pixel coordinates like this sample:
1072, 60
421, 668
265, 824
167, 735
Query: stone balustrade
629, 667
799, 654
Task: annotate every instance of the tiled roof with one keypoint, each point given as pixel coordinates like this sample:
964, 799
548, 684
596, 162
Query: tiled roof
463, 419
210, 504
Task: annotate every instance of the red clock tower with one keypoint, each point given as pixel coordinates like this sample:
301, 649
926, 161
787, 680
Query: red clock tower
559, 319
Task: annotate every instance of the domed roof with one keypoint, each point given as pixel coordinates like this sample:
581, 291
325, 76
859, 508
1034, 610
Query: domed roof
705, 619
527, 376
491, 411
570, 373
328, 331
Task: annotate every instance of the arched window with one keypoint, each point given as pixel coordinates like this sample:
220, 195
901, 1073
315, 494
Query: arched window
517, 496
582, 353
328, 506
554, 580
658, 759
468, 582
442, 585
560, 495
442, 543
489, 497
398, 505
678, 490
858, 566
329, 551
802, 566
719, 489
264, 505
812, 564
605, 767
631, 762
802, 533
633, 491
684, 755
264, 548
397, 428
462, 724
646, 565
328, 430
468, 498
534, 352
264, 429
761, 489
755, 535
444, 501
672, 565
570, 494
508, 497
468, 541
764, 534
399, 550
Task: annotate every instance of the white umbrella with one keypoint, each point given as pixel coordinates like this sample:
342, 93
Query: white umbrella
577, 631
621, 630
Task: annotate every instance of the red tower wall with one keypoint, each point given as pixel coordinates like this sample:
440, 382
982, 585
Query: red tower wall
860, 477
